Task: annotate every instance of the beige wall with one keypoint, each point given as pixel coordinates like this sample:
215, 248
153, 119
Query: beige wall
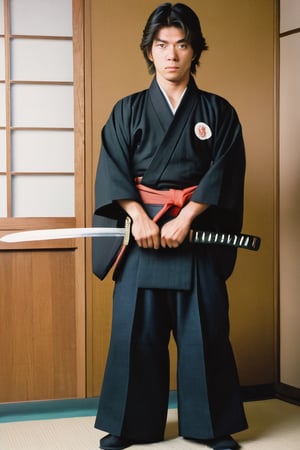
289, 194
240, 66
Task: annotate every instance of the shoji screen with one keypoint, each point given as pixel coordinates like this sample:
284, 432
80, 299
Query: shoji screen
3, 193
290, 193
36, 109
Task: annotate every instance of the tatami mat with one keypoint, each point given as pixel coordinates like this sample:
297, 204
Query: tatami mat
273, 425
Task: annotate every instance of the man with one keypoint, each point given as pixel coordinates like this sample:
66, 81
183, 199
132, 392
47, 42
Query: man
173, 160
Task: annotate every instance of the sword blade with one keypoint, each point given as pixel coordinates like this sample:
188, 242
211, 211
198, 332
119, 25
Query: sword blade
62, 233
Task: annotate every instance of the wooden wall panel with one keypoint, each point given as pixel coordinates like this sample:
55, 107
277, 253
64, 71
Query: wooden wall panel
241, 66
38, 325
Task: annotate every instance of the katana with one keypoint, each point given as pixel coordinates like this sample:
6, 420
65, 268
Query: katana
245, 241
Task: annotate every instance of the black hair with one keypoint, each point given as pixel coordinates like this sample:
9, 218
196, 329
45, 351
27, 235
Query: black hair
179, 16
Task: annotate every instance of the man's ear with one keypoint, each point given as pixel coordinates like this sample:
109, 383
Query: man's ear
150, 57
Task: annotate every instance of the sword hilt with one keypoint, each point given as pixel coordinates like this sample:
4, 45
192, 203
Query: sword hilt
245, 241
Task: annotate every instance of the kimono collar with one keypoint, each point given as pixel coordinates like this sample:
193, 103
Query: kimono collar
161, 106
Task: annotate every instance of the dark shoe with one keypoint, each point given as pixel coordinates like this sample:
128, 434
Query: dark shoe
111, 442
223, 443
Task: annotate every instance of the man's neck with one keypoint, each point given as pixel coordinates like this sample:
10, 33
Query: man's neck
173, 90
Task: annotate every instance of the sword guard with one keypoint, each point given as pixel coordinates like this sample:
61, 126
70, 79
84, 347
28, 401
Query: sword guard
127, 227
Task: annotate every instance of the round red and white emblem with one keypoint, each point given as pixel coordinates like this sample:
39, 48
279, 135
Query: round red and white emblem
202, 131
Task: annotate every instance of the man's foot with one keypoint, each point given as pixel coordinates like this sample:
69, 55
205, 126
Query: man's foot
222, 443
111, 442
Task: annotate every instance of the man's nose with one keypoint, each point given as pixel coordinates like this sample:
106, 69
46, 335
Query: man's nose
172, 54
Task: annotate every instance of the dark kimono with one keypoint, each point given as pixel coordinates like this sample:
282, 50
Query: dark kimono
173, 290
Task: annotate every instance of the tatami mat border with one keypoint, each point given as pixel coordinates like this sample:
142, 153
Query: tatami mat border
55, 409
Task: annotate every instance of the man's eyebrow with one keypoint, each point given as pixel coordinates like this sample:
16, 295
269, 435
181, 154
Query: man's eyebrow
166, 42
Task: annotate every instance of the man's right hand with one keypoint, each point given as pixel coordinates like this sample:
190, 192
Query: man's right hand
145, 232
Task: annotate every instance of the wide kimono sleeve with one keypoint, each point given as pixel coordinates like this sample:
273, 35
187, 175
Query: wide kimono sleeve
114, 180
222, 186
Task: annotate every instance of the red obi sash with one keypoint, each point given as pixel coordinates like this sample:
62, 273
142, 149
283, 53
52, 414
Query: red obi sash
172, 200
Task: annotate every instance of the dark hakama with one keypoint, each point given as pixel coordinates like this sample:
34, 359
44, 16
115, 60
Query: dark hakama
173, 290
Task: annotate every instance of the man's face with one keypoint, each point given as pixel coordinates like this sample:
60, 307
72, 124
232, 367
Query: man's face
171, 55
